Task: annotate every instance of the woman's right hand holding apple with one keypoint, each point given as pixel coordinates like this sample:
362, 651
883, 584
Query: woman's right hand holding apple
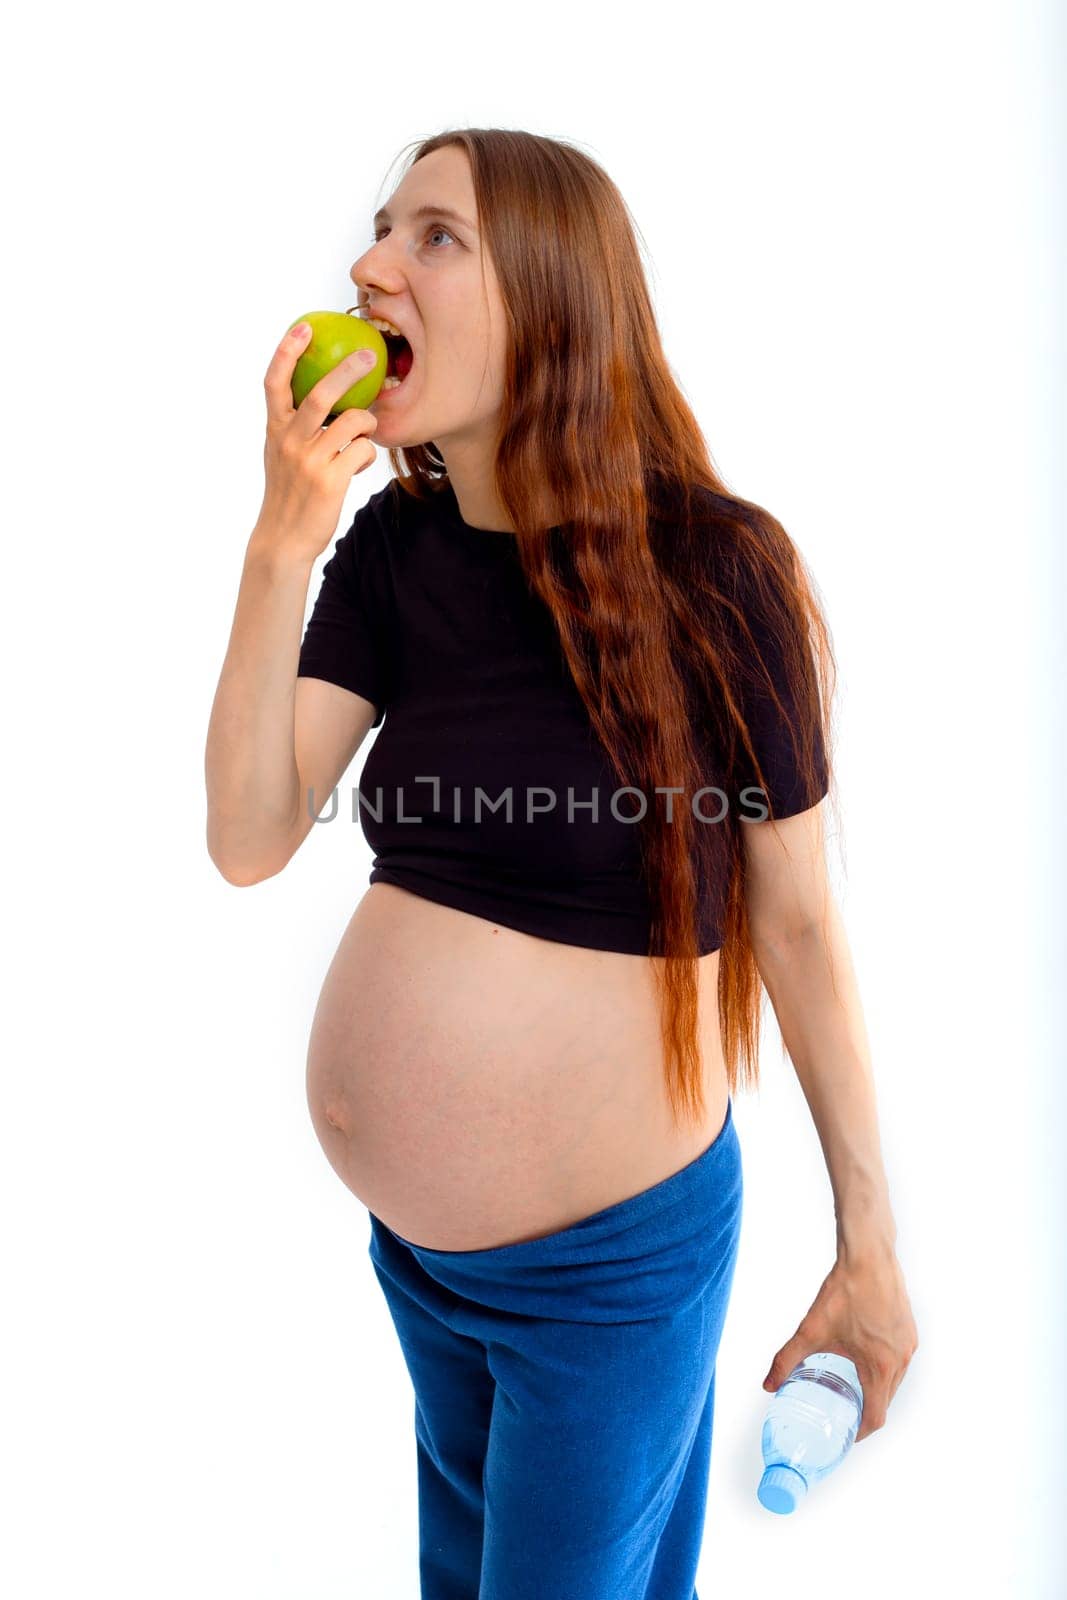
307, 473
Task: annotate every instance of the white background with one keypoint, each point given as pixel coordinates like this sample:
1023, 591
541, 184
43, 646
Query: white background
853, 220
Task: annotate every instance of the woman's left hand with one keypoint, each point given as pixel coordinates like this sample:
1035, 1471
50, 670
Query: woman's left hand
862, 1312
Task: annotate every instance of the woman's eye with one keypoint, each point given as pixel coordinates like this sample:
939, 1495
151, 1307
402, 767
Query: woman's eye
437, 227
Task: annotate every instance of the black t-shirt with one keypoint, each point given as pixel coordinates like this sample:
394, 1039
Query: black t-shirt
487, 788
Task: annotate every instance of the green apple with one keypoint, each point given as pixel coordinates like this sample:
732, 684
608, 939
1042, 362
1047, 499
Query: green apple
335, 335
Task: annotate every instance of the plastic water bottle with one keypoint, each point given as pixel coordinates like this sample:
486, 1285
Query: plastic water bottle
808, 1428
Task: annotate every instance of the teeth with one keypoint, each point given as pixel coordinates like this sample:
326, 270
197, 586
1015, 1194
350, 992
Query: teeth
385, 327
392, 383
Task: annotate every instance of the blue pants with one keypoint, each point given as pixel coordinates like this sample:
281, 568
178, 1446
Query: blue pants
564, 1393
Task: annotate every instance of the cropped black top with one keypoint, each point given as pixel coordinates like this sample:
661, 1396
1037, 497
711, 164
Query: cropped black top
488, 789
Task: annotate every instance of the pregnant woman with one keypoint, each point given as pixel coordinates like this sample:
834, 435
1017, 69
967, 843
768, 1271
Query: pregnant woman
594, 807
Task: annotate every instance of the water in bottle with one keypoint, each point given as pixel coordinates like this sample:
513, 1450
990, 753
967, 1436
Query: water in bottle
808, 1428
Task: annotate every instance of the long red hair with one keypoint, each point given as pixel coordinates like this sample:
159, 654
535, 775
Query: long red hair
653, 632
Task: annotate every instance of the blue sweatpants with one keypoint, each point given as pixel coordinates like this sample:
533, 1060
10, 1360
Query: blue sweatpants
565, 1390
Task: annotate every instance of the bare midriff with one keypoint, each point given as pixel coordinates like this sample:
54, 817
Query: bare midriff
475, 1086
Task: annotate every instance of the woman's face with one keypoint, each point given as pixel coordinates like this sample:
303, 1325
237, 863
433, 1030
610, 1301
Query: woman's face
424, 274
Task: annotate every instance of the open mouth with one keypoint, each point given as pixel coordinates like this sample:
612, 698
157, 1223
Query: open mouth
401, 360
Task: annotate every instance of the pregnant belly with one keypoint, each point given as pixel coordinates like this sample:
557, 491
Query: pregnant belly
474, 1086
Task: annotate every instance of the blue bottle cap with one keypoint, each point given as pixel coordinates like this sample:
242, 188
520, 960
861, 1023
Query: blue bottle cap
782, 1489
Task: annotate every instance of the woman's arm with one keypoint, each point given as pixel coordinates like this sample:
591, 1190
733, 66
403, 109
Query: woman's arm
272, 737
802, 953
862, 1308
